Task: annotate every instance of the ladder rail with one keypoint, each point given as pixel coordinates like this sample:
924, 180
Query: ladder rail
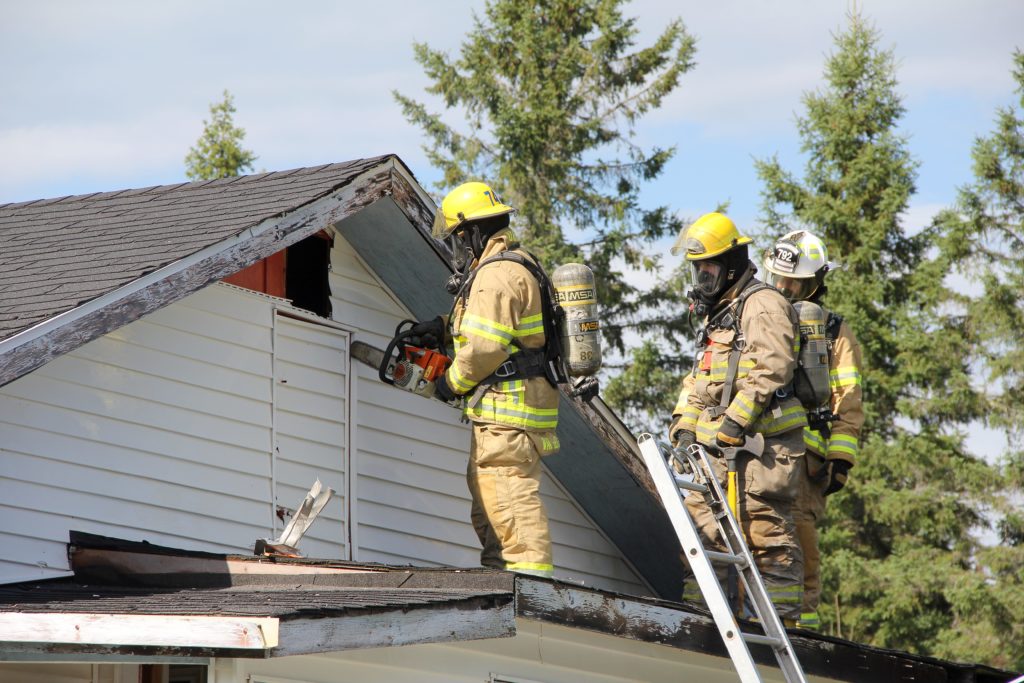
670, 487
700, 564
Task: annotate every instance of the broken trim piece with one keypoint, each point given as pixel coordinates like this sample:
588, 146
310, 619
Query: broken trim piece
236, 633
472, 619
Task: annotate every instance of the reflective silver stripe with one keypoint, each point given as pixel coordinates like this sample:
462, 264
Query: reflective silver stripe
841, 443
514, 414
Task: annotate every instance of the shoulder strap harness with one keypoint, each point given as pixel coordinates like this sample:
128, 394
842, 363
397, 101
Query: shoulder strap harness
525, 363
729, 318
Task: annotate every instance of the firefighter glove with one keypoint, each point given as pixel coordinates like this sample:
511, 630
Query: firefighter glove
683, 439
442, 390
837, 471
730, 434
429, 333
586, 388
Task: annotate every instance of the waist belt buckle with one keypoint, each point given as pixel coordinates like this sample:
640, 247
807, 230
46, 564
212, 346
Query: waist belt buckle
506, 369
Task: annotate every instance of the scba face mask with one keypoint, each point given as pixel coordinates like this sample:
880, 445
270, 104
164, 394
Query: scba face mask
707, 278
794, 289
461, 249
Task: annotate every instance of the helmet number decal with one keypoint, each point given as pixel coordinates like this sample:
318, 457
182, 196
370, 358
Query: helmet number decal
490, 195
786, 257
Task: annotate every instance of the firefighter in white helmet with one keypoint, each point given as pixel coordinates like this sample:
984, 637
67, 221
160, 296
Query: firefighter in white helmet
739, 385
497, 328
796, 267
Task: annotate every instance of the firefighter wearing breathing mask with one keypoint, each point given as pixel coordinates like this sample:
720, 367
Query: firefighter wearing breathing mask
512, 405
741, 384
796, 266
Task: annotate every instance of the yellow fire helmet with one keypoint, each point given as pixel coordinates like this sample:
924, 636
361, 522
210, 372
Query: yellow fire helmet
710, 235
467, 202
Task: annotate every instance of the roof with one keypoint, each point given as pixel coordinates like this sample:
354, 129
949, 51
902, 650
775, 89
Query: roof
303, 606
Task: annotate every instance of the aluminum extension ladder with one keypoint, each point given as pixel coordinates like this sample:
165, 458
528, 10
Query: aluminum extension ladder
657, 456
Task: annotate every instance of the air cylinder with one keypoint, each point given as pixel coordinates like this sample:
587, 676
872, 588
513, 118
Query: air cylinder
580, 328
811, 381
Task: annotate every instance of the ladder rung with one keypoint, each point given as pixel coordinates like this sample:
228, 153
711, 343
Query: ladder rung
689, 485
725, 558
758, 639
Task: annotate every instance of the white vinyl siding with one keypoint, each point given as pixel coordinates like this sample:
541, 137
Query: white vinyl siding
311, 426
162, 431
410, 454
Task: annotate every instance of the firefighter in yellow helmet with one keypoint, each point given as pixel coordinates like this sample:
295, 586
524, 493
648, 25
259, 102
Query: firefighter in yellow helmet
497, 328
796, 266
741, 384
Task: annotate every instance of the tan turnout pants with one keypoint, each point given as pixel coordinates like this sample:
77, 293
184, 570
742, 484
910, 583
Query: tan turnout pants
809, 509
507, 512
768, 490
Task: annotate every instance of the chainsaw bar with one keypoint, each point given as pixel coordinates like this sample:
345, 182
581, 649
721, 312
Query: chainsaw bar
370, 355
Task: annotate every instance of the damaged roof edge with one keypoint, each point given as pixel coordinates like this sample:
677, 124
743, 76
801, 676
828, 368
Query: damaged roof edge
672, 625
36, 346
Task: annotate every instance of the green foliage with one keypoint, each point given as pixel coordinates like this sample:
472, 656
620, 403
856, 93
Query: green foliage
983, 238
219, 153
550, 93
643, 387
917, 497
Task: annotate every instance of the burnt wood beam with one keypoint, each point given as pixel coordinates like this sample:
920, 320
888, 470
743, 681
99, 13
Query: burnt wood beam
669, 624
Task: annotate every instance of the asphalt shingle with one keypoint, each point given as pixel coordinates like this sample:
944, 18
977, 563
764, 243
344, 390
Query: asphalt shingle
56, 254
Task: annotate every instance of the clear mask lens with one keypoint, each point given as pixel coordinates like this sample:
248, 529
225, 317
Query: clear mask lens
706, 276
794, 289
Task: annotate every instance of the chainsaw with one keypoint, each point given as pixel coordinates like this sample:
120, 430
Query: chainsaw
404, 363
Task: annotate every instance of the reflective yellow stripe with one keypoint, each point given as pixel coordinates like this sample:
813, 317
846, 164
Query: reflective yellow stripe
474, 325
811, 248
531, 567
550, 443
846, 376
511, 386
841, 443
688, 421
744, 407
720, 369
706, 431
785, 596
791, 418
809, 620
692, 593
688, 412
814, 440
533, 324
513, 413
457, 381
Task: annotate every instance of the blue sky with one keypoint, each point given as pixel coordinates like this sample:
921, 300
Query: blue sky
105, 95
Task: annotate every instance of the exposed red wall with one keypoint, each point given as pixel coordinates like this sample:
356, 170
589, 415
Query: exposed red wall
265, 276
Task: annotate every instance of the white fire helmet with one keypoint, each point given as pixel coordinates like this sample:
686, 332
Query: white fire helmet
797, 265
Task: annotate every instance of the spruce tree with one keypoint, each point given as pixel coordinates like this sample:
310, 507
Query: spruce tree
983, 237
899, 542
549, 94
219, 153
